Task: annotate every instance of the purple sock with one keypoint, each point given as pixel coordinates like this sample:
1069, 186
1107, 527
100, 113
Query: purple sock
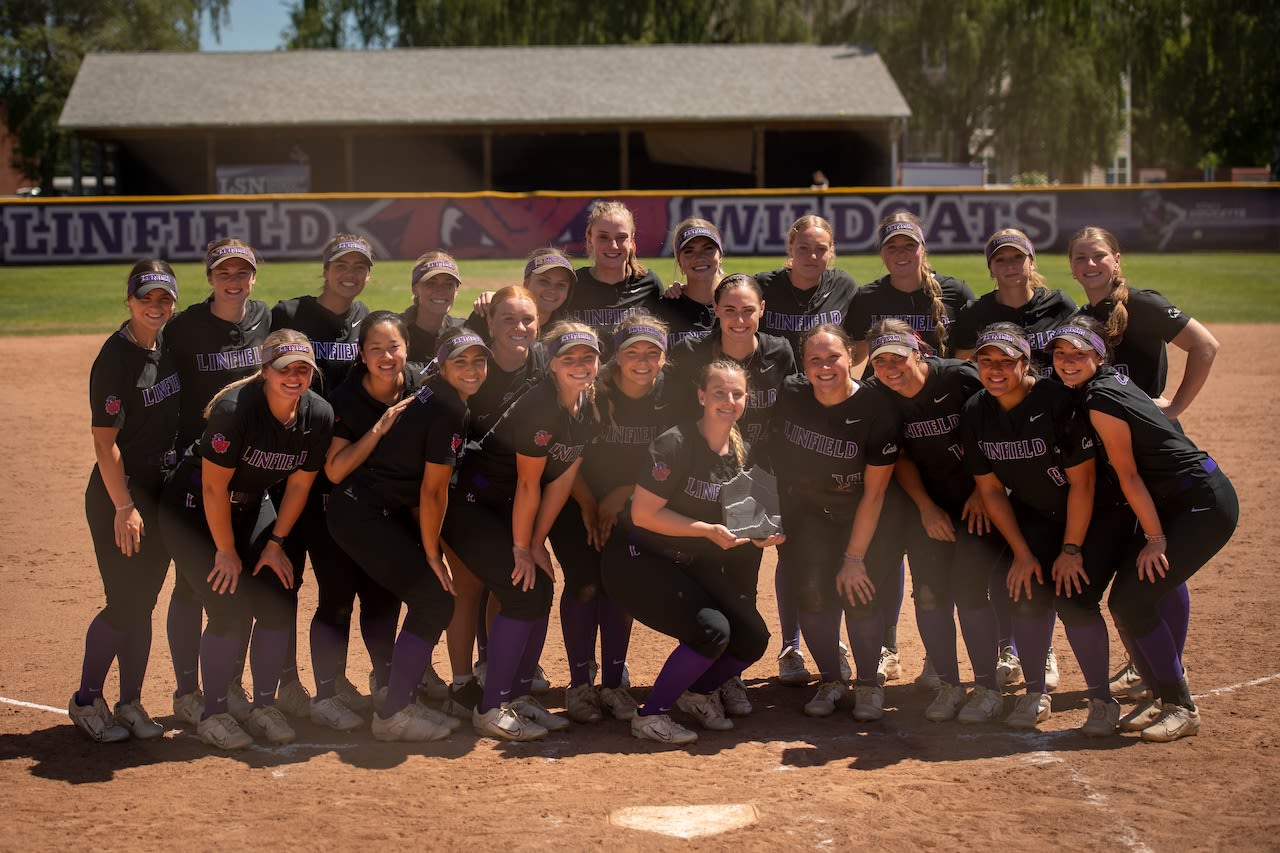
891, 609
865, 638
788, 614
981, 632
135, 652
1137, 658
217, 662
938, 631
266, 659
529, 660
615, 640
1161, 652
1034, 635
328, 649
725, 667
410, 660
821, 632
1003, 607
507, 640
183, 629
380, 641
681, 669
1092, 649
101, 645
1175, 609
579, 621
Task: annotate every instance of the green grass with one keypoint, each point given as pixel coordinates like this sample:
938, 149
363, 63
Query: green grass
45, 300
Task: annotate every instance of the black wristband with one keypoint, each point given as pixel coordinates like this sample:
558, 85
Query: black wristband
276, 538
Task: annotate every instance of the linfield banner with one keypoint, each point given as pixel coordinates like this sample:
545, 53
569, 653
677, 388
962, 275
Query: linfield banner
1170, 218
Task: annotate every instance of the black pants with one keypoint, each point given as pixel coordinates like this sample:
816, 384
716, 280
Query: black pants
703, 596
478, 529
579, 560
958, 571
132, 584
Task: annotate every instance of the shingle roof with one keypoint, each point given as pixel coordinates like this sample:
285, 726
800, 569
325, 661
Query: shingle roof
482, 86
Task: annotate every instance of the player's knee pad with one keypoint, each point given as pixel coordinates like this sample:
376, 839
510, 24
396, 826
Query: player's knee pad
1133, 614
811, 592
712, 637
927, 599
581, 592
428, 616
1077, 612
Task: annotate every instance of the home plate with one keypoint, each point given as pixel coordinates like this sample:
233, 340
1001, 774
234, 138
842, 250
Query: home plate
686, 821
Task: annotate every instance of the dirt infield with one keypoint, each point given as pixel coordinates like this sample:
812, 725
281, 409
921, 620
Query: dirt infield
794, 782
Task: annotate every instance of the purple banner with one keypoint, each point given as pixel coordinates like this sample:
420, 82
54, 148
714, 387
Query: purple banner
1171, 219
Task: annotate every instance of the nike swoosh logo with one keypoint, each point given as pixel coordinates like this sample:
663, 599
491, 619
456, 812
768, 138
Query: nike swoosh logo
1201, 508
255, 325
355, 325
940, 399
767, 368
852, 421
1032, 419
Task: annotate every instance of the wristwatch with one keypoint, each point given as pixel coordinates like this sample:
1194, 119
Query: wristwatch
279, 540
1071, 550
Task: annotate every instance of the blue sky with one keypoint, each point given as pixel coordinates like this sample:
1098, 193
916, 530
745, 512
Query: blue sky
255, 25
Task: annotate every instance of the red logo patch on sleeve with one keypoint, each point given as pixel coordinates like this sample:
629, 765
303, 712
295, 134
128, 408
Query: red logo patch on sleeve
219, 443
455, 443
660, 471
541, 437
113, 405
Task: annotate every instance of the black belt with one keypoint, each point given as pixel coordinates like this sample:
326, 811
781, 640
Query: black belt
245, 498
163, 460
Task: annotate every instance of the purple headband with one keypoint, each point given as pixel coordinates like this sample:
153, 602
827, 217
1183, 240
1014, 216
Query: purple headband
1022, 244
903, 227
223, 253
271, 354
439, 266
570, 339
347, 246
544, 262
1005, 341
639, 332
698, 231
149, 281
454, 346
1082, 338
894, 340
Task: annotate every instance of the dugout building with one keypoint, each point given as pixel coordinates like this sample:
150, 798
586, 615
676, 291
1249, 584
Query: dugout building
515, 119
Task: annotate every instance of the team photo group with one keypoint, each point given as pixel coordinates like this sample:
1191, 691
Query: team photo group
1018, 454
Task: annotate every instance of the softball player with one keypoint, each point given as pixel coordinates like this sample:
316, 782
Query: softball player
952, 548
616, 284
332, 322
434, 281
133, 399
678, 569
378, 388
631, 402
832, 444
1186, 508
509, 492
806, 292
215, 342
1032, 457
548, 275
387, 515
688, 306
517, 364
218, 519
929, 303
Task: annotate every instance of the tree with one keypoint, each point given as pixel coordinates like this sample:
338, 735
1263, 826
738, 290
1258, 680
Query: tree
43, 41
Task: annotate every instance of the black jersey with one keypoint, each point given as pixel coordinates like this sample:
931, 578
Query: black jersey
211, 353
244, 435
1038, 318
602, 306
686, 318
502, 388
1167, 460
423, 344
790, 312
820, 453
431, 429
767, 368
355, 410
136, 391
1141, 354
931, 428
1030, 447
619, 453
333, 336
687, 474
536, 425
880, 300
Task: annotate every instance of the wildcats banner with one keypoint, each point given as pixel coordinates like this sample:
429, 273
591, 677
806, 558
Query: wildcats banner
1168, 219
